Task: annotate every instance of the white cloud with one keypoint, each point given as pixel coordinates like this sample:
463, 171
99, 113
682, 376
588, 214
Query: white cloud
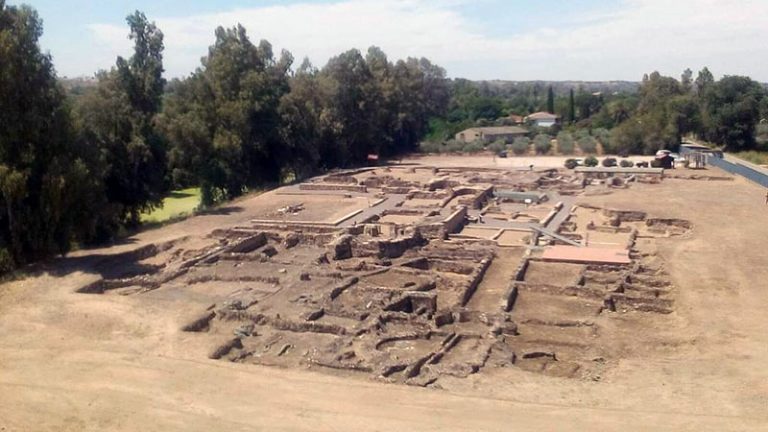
636, 37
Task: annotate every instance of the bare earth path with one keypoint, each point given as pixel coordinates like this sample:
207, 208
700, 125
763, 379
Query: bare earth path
72, 362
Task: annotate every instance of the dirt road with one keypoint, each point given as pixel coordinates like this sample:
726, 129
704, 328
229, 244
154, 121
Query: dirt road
87, 362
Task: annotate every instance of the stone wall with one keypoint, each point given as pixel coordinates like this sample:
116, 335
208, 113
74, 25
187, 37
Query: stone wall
474, 280
332, 187
455, 221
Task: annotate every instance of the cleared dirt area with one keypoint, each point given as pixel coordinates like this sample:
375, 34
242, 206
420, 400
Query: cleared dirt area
221, 322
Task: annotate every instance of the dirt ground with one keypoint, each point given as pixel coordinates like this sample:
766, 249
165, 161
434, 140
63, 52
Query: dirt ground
71, 362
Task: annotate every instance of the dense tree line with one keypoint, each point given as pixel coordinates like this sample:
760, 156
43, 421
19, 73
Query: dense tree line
655, 115
725, 112
79, 167
244, 119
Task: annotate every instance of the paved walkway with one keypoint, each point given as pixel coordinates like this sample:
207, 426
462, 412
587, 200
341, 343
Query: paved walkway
561, 215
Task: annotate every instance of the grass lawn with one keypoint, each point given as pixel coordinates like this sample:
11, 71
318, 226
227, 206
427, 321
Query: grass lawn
176, 204
756, 157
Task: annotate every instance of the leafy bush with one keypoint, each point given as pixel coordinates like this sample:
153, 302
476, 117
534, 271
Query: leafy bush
609, 162
497, 146
626, 163
588, 145
473, 147
453, 146
655, 163
571, 163
521, 145
591, 161
581, 134
761, 136
430, 147
6, 261
604, 136
565, 143
542, 143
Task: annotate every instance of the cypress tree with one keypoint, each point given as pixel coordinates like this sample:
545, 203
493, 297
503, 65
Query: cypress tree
550, 100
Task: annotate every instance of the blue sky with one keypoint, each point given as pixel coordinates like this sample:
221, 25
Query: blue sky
480, 39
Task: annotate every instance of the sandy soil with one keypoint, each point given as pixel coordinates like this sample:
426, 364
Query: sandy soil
71, 362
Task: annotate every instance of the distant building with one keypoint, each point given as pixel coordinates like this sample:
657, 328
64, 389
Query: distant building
543, 119
515, 119
491, 133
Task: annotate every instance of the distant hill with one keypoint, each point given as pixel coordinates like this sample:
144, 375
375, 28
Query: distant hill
82, 82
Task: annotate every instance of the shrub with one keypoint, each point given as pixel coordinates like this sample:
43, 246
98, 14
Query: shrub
571, 163
588, 145
626, 163
453, 146
473, 147
542, 143
497, 146
604, 136
521, 145
591, 161
761, 136
565, 143
430, 147
6, 261
581, 134
655, 163
609, 162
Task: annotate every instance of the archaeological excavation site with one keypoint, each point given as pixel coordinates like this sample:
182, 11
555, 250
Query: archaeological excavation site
415, 274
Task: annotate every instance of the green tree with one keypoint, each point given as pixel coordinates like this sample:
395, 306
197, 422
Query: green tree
664, 112
118, 118
686, 80
542, 143
302, 121
571, 107
731, 111
550, 100
521, 145
46, 185
224, 122
588, 145
704, 80
353, 98
604, 137
565, 143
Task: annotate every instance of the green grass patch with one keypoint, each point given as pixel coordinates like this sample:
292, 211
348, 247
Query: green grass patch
177, 204
756, 157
